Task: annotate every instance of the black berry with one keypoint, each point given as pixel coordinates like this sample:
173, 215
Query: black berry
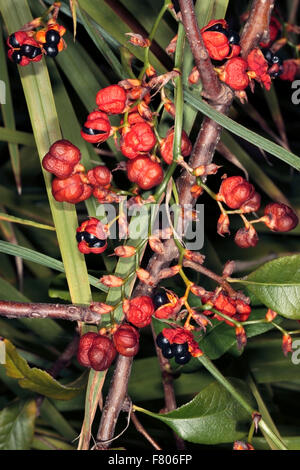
268, 54
180, 349
79, 236
217, 27
160, 298
51, 50
97, 243
16, 57
30, 51
162, 341
183, 359
52, 37
13, 41
167, 351
233, 37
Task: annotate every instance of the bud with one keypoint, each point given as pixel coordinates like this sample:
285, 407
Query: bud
125, 251
241, 337
203, 170
194, 76
246, 237
126, 340
256, 417
201, 320
156, 245
194, 256
240, 445
196, 191
228, 269
144, 111
171, 48
287, 344
198, 291
223, 225
151, 72
101, 308
111, 281
270, 315
138, 40
144, 276
170, 107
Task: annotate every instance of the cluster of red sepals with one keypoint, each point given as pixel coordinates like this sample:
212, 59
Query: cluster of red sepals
137, 137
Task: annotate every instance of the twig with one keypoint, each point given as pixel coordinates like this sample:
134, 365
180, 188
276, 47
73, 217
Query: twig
257, 26
140, 428
36, 310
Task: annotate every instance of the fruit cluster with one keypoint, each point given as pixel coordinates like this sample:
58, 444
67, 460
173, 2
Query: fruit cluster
237, 309
98, 351
178, 343
30, 46
72, 183
240, 195
261, 64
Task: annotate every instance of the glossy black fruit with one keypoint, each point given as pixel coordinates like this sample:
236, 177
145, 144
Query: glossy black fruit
52, 37
167, 351
13, 41
91, 131
183, 359
51, 50
160, 298
180, 349
16, 57
30, 51
233, 37
162, 341
79, 236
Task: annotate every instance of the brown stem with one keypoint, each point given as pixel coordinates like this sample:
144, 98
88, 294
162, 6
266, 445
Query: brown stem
293, 12
140, 428
63, 312
114, 402
257, 26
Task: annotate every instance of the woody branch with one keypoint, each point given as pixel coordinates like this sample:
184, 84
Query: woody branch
221, 98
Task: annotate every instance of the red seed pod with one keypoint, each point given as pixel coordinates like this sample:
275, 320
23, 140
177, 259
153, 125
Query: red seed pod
138, 138
290, 69
234, 74
102, 353
166, 146
139, 311
225, 304
96, 128
280, 218
144, 172
85, 345
243, 310
126, 340
169, 309
61, 159
252, 204
100, 176
91, 237
258, 64
196, 191
235, 191
246, 237
271, 315
70, 189
111, 99
216, 40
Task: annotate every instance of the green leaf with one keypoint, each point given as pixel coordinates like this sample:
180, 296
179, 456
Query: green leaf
55, 419
35, 379
17, 425
44, 260
277, 285
16, 137
212, 417
250, 136
18, 220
